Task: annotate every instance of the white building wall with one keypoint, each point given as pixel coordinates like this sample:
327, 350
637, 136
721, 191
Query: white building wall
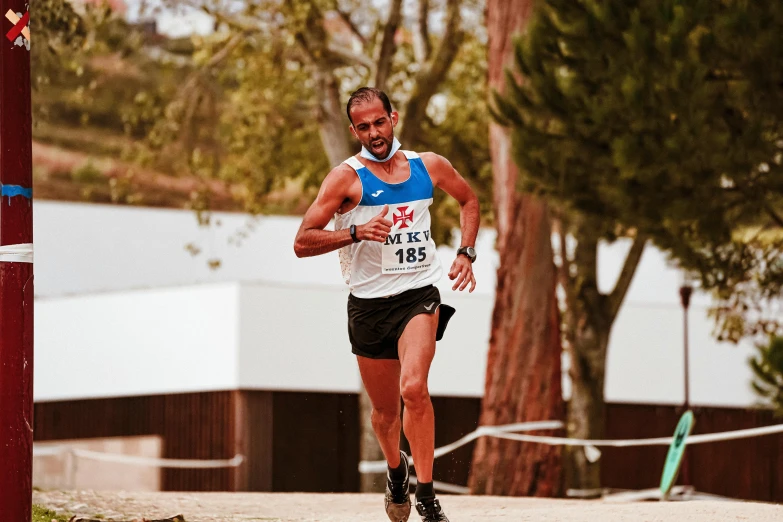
136, 343
122, 308
646, 362
295, 338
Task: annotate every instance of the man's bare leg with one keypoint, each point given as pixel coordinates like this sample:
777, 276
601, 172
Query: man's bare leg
381, 378
417, 349
382, 381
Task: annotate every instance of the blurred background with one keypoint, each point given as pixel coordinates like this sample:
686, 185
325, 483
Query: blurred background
628, 156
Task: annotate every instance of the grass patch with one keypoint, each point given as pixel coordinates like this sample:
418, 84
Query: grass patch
41, 514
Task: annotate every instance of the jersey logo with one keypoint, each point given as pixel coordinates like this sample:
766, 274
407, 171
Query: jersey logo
377, 194
403, 216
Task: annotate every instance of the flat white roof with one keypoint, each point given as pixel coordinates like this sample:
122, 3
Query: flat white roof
88, 248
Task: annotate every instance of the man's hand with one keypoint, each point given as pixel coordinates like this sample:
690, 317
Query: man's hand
462, 271
377, 229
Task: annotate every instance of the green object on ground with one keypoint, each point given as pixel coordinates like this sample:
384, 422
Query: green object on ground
671, 467
41, 514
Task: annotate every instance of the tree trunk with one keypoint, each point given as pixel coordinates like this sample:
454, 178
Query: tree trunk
586, 408
332, 120
523, 367
588, 325
523, 380
504, 20
432, 74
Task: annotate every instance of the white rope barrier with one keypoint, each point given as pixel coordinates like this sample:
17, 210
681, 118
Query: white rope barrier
506, 432
660, 441
379, 466
490, 430
48, 451
21, 253
134, 460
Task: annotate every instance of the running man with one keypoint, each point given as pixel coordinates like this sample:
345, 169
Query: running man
380, 201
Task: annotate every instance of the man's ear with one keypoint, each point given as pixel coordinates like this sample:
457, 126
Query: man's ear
395, 117
353, 131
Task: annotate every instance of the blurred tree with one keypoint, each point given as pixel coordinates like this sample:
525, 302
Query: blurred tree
523, 380
95, 71
768, 374
63, 34
276, 76
660, 120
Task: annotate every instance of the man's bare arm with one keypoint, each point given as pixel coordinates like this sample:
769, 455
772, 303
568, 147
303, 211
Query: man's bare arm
447, 178
313, 240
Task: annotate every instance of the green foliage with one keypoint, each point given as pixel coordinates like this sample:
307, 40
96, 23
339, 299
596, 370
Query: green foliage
243, 104
662, 116
41, 514
93, 70
767, 368
460, 133
87, 173
251, 113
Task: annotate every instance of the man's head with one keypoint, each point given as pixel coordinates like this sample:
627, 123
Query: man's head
372, 120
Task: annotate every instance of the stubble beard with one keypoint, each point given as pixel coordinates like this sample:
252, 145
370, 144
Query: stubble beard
385, 147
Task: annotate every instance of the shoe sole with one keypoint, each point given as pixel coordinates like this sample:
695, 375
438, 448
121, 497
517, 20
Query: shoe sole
399, 512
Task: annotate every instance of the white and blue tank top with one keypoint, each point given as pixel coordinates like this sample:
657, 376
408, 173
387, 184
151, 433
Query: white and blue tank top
408, 259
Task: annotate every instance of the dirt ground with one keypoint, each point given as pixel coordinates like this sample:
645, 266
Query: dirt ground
279, 507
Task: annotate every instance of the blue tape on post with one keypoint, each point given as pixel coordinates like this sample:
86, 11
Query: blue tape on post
15, 190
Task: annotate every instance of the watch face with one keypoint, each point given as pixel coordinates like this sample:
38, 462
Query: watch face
470, 252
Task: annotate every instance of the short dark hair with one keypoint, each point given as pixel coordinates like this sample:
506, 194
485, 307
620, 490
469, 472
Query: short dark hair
368, 94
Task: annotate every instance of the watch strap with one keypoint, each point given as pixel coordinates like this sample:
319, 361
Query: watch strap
465, 251
353, 234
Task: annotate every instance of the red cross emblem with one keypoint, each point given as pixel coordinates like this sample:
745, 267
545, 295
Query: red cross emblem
403, 217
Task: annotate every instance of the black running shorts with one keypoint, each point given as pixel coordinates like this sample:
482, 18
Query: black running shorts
375, 325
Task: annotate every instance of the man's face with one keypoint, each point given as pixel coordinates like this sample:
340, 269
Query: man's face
373, 127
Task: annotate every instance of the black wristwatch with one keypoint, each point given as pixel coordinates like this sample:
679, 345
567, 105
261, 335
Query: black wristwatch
353, 234
468, 251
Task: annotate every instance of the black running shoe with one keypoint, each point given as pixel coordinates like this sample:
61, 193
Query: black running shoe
430, 511
398, 499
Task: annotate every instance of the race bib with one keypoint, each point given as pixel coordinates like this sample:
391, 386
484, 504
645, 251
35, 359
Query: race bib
408, 247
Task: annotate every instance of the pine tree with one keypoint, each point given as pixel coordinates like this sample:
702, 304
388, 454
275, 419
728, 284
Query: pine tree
768, 374
657, 119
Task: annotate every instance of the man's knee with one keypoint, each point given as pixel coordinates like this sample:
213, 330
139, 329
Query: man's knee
385, 419
414, 392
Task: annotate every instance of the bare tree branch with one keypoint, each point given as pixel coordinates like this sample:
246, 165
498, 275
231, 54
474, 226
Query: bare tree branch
565, 278
433, 73
224, 53
626, 276
341, 56
355, 30
331, 118
773, 214
314, 40
564, 274
240, 23
586, 285
323, 52
388, 45
191, 94
422, 45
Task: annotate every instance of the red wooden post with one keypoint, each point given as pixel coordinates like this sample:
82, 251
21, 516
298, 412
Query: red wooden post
16, 268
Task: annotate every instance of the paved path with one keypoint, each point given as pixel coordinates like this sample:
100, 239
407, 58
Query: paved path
285, 507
